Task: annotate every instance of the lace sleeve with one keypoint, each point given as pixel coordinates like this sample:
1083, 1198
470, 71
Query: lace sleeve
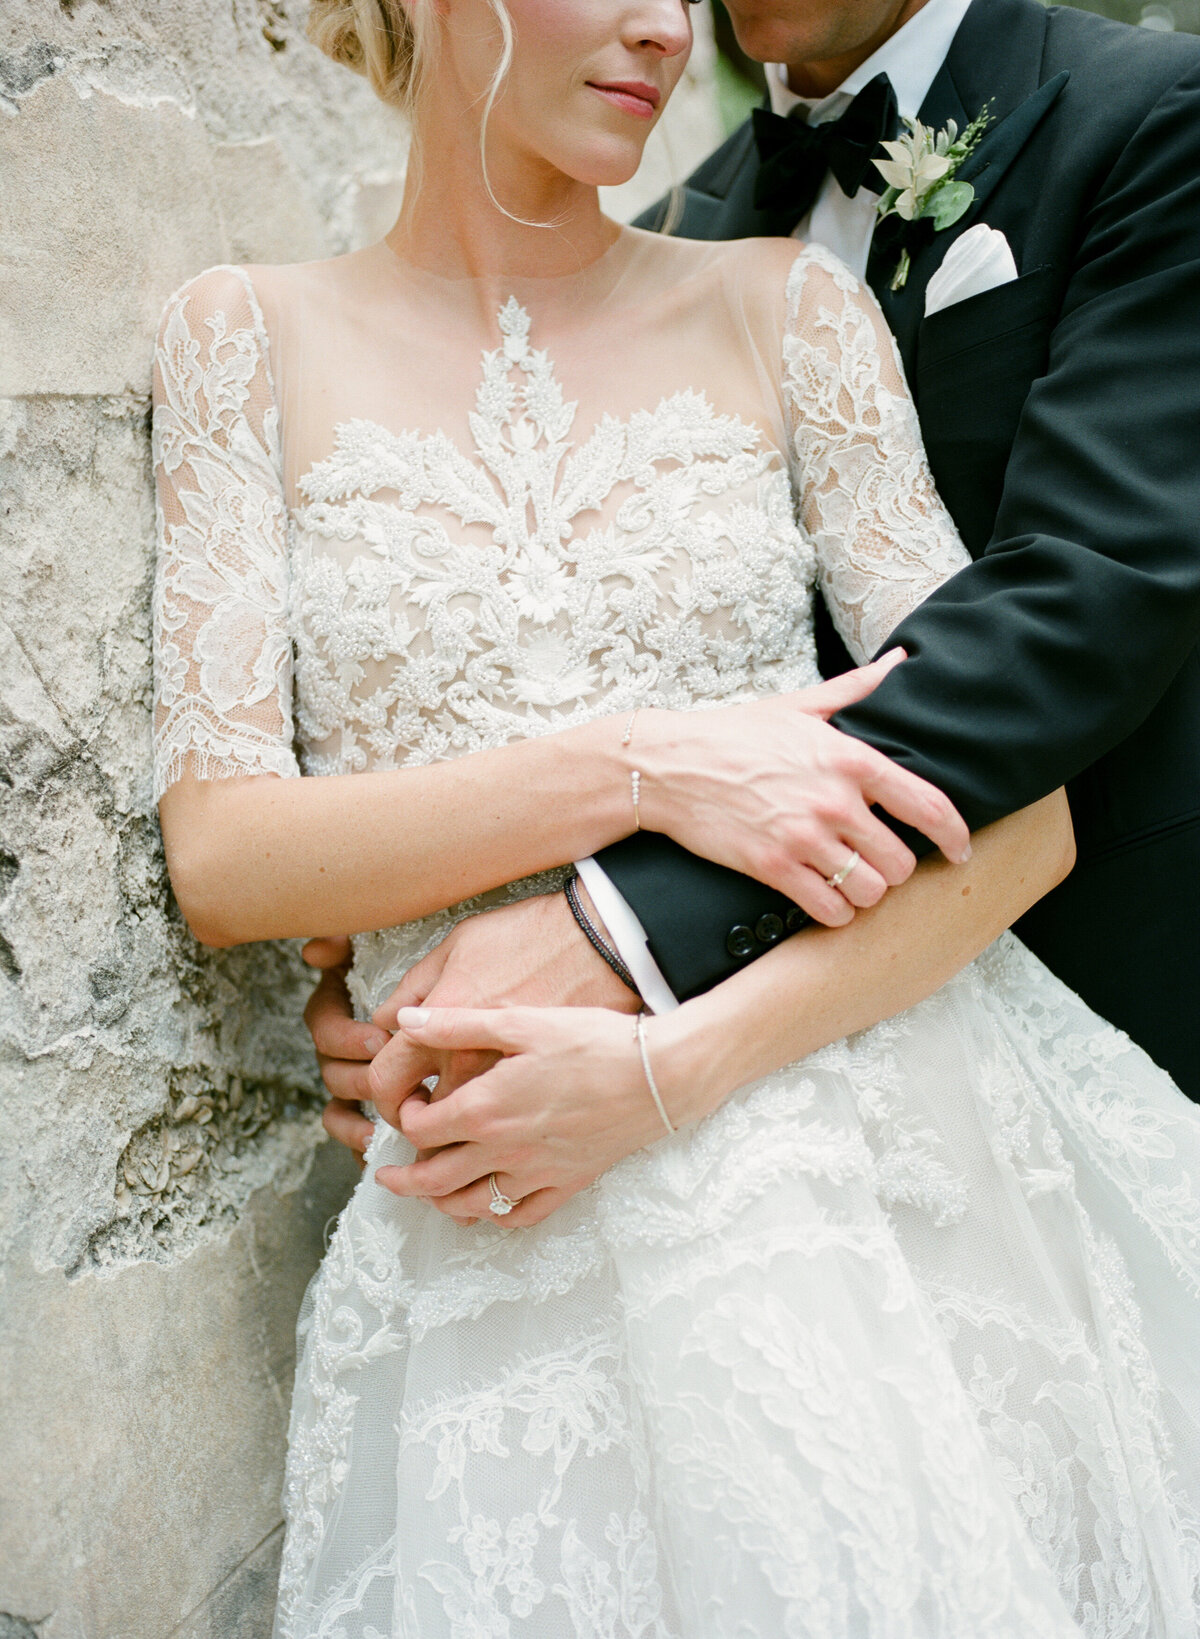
864, 492
222, 655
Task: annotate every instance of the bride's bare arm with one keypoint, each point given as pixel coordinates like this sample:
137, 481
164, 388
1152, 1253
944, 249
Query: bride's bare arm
569, 1098
767, 788
267, 858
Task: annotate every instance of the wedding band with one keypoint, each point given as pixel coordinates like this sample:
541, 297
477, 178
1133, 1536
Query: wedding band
500, 1203
838, 877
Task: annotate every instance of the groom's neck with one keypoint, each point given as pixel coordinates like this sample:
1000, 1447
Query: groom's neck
819, 76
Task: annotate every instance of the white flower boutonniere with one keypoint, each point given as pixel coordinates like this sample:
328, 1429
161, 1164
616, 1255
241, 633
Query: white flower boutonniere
920, 174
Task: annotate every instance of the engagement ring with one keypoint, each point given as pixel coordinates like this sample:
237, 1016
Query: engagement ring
500, 1203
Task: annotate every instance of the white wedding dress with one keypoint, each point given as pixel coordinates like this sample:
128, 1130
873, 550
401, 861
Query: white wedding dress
903, 1342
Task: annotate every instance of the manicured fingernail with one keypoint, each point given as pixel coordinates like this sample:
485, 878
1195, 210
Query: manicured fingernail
412, 1018
375, 1042
965, 855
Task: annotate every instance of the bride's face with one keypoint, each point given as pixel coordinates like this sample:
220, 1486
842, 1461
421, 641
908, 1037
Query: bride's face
588, 81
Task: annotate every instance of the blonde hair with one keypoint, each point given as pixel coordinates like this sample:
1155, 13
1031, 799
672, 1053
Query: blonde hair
391, 44
385, 41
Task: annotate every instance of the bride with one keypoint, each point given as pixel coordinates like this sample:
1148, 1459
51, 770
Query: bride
893, 1338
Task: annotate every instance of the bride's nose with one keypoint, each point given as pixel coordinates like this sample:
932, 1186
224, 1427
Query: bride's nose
660, 25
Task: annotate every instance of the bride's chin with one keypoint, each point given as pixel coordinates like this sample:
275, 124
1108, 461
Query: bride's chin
611, 168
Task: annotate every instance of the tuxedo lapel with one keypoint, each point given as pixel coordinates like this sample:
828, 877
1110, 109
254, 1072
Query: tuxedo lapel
995, 59
995, 62
985, 167
739, 217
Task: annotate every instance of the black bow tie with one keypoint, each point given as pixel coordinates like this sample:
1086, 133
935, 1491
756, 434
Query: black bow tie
794, 157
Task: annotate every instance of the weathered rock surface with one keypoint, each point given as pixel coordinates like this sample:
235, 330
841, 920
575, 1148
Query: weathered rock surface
163, 1188
146, 1414
163, 1184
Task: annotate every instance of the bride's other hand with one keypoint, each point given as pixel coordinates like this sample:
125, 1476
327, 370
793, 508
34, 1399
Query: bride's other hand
566, 1099
530, 952
770, 789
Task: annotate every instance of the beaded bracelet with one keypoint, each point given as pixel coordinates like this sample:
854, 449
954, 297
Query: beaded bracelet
595, 938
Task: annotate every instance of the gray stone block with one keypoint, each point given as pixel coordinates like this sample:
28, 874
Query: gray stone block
146, 1418
117, 206
243, 1607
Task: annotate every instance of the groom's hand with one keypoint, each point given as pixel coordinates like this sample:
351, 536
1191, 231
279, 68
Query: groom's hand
528, 954
531, 952
769, 788
344, 1047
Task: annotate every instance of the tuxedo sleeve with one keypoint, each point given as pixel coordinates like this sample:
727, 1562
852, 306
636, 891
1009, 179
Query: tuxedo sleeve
1060, 638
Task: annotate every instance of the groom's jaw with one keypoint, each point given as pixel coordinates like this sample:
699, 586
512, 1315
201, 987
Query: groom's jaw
821, 41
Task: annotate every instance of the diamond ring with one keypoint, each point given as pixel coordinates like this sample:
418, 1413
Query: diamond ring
501, 1204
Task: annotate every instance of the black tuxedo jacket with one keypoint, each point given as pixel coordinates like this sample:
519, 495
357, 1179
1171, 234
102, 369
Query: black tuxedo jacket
1061, 414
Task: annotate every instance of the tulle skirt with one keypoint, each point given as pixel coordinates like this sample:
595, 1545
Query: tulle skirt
903, 1342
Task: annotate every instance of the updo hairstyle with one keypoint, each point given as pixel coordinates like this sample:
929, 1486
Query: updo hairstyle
386, 41
391, 44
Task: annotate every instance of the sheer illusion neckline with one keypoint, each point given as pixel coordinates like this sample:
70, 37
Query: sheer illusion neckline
636, 264
621, 242
611, 261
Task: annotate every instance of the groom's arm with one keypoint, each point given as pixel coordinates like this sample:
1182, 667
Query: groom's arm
1057, 642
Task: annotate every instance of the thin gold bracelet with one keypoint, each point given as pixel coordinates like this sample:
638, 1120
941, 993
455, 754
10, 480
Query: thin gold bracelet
635, 776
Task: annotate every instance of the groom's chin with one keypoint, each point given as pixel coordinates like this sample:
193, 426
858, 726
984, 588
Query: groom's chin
770, 31
805, 31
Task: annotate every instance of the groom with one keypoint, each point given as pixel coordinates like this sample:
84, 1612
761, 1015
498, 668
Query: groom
1055, 364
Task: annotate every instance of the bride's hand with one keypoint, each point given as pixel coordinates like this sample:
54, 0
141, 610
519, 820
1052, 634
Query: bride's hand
770, 789
566, 1101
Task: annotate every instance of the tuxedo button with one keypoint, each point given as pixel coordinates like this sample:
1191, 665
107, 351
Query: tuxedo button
769, 928
741, 941
796, 918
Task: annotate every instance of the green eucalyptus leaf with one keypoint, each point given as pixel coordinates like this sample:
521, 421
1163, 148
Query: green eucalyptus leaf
948, 203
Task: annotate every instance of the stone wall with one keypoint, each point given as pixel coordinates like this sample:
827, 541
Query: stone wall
163, 1187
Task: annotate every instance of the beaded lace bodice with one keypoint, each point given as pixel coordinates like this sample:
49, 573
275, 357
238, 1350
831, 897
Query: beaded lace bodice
416, 598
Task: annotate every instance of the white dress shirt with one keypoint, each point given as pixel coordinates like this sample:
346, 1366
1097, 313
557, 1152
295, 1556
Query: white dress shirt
911, 59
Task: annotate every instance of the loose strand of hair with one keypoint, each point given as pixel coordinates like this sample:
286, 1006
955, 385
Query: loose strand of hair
493, 92
673, 214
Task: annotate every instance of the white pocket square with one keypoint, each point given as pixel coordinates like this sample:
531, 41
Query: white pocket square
979, 261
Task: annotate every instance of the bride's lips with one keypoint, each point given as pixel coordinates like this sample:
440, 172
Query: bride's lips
634, 96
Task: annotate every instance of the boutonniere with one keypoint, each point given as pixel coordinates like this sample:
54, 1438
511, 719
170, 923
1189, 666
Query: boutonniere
920, 173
